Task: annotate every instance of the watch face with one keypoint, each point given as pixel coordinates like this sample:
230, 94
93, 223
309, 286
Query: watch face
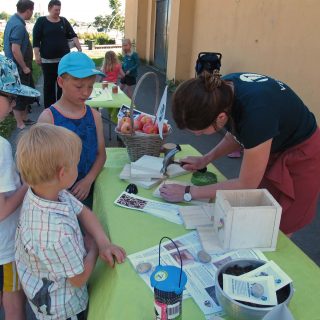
187, 197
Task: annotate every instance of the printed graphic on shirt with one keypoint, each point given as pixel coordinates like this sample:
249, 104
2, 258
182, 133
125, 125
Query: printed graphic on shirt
42, 297
253, 77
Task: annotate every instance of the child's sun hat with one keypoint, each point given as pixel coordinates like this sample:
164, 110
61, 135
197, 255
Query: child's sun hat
78, 65
10, 80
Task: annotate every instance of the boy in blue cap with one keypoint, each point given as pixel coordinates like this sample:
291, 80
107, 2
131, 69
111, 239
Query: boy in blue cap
76, 76
11, 195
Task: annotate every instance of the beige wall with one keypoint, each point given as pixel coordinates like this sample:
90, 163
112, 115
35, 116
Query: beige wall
131, 19
275, 37
279, 38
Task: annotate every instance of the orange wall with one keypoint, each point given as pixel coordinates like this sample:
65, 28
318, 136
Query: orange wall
279, 38
275, 37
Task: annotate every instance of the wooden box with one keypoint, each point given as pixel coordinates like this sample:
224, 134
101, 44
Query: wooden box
244, 219
247, 219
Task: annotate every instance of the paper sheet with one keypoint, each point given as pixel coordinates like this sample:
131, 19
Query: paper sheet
201, 277
162, 210
99, 94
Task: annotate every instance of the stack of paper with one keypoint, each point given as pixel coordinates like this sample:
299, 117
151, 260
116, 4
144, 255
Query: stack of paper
151, 166
145, 172
146, 183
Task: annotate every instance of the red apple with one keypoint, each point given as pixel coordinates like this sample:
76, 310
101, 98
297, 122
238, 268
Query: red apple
126, 127
145, 119
148, 128
156, 128
121, 122
137, 125
165, 128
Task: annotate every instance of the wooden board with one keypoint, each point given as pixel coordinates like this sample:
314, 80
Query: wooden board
145, 183
195, 216
151, 166
209, 240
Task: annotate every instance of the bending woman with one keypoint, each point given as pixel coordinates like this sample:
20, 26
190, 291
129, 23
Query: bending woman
278, 133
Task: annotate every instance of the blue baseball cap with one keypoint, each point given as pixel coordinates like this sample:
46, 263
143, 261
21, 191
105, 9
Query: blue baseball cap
10, 80
78, 65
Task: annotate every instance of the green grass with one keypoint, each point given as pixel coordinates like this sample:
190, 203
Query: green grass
97, 62
36, 71
7, 126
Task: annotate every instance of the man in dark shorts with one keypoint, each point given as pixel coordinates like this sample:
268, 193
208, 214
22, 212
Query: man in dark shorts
17, 47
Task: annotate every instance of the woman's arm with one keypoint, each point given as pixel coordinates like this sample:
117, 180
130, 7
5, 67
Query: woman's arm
37, 56
227, 145
77, 43
36, 39
253, 167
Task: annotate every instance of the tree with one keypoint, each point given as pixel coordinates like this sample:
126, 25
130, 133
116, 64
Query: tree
4, 16
113, 21
35, 16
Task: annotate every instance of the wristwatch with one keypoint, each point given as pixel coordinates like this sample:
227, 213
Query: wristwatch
187, 195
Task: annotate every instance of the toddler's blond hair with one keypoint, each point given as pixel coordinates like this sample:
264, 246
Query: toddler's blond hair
110, 61
43, 150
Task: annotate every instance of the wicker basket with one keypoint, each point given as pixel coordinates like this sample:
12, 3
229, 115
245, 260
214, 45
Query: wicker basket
139, 143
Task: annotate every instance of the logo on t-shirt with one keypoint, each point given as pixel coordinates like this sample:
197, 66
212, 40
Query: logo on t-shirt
253, 77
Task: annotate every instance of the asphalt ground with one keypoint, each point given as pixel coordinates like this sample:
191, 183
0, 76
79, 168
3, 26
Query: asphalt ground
307, 239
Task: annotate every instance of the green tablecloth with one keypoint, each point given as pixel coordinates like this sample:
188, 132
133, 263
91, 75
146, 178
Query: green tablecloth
112, 105
119, 293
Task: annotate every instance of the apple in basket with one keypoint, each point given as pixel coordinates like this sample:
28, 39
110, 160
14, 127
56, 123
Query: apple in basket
143, 118
149, 128
126, 127
137, 125
122, 121
165, 128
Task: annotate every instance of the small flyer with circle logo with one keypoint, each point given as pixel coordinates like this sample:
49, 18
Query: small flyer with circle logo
259, 290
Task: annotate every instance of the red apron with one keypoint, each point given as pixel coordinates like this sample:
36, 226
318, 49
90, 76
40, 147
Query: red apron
293, 178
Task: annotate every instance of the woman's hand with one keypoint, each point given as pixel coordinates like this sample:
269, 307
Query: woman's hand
38, 60
194, 163
172, 192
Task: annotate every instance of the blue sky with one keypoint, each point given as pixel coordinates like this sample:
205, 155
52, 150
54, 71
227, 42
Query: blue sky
81, 10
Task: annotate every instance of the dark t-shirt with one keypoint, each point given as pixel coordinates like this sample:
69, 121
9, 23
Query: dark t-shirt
266, 108
52, 37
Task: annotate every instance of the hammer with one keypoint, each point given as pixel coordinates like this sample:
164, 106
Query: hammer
168, 159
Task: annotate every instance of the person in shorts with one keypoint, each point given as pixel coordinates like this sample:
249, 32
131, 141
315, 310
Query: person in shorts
130, 66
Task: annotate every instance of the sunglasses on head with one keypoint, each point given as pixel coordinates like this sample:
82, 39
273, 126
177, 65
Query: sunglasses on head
10, 97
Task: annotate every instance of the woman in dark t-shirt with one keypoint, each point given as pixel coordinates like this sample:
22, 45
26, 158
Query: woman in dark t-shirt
50, 43
278, 133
